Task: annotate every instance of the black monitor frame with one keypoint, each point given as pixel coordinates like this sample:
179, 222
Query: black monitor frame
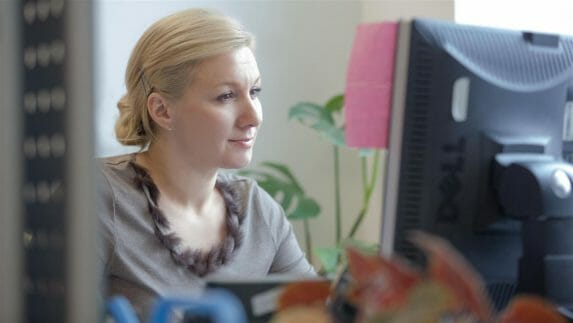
464, 98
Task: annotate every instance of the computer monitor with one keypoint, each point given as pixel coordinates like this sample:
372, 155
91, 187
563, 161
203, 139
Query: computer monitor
478, 124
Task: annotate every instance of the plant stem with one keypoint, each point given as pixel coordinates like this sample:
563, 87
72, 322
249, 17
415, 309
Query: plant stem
374, 176
307, 239
364, 171
367, 188
358, 221
337, 195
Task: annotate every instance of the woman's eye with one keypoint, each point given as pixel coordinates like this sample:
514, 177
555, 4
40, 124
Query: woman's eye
226, 97
255, 92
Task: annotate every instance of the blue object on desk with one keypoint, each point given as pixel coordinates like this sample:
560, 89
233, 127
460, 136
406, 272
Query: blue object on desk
217, 305
121, 310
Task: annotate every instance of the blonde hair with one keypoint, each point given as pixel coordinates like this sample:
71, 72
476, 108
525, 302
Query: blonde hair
163, 60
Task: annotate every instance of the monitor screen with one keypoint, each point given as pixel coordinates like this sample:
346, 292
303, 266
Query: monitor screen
478, 125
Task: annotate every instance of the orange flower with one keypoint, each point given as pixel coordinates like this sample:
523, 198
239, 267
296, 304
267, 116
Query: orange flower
385, 284
448, 267
530, 309
305, 293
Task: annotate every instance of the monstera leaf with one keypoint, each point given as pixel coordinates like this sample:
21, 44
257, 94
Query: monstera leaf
280, 183
321, 118
335, 104
329, 258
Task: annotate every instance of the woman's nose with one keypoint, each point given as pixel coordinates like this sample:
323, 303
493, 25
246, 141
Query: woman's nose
252, 114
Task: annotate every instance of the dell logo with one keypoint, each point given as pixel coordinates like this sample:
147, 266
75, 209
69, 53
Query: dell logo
450, 185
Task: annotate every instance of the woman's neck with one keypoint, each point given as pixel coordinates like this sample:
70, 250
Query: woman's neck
179, 182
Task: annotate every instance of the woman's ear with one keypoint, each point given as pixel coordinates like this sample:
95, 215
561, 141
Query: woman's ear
159, 111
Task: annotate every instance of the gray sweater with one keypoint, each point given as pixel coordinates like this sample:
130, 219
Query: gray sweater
138, 266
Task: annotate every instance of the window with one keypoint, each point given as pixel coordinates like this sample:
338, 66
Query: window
550, 16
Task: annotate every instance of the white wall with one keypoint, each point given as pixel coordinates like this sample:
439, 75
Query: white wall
553, 16
377, 10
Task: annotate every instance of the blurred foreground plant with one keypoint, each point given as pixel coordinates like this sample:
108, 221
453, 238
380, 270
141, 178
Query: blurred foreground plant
384, 290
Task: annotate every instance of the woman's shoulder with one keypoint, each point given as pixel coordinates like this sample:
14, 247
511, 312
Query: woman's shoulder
116, 170
115, 162
118, 165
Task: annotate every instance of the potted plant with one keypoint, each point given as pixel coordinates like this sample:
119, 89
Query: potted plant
280, 182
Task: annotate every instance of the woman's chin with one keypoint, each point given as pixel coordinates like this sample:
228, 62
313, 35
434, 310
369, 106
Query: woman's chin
238, 163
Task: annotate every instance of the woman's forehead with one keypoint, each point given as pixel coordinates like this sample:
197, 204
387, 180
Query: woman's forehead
232, 68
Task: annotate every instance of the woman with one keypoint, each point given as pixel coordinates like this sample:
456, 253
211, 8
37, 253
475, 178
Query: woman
170, 219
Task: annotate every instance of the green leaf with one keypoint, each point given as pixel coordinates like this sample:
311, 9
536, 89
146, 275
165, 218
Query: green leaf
306, 209
284, 170
277, 180
335, 104
316, 117
283, 192
310, 113
335, 136
329, 258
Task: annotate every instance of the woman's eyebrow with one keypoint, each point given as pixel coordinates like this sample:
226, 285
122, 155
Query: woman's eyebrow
236, 83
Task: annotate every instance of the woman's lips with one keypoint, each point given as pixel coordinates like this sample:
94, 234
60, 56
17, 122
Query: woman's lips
244, 143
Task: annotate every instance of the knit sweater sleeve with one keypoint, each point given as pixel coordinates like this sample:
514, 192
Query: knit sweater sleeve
289, 258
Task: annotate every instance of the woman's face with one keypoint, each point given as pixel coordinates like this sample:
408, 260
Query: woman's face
217, 118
